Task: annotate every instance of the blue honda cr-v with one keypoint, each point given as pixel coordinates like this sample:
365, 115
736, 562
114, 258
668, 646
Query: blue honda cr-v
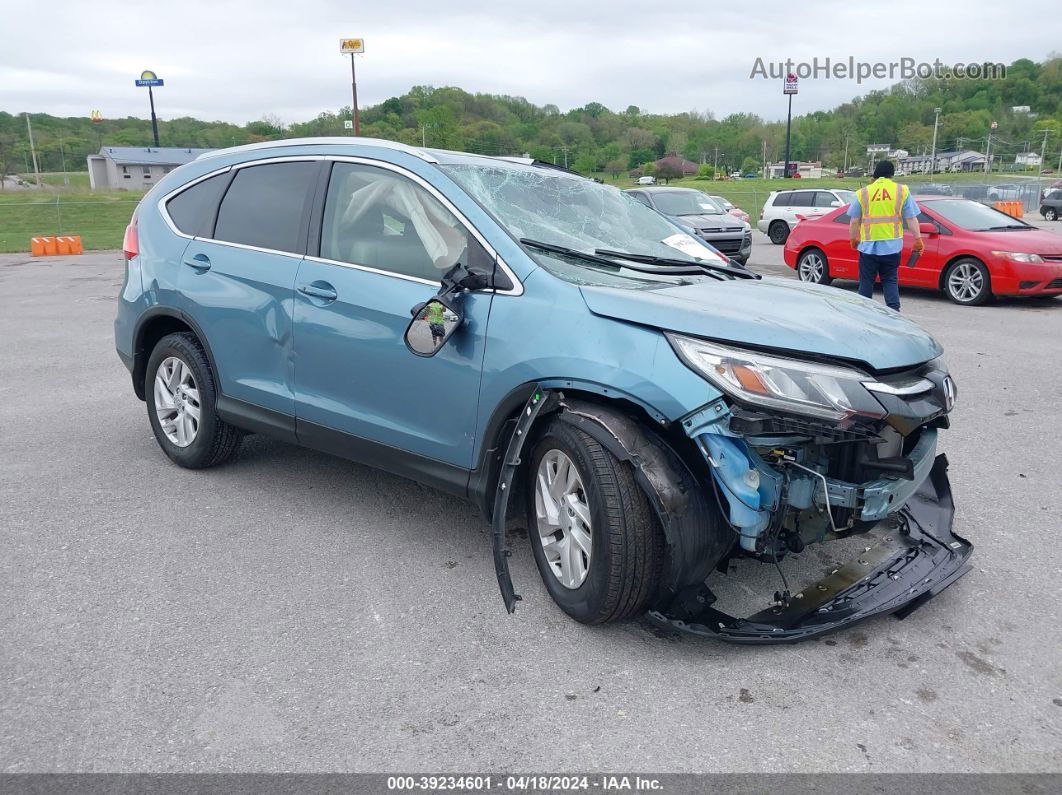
556, 352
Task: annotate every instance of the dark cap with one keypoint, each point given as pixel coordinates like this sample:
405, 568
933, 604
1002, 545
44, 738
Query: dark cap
884, 168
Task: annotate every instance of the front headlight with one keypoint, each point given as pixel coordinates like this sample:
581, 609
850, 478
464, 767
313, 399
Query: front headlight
1019, 256
818, 390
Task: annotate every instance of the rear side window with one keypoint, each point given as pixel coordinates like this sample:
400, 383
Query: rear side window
192, 210
264, 206
782, 199
802, 198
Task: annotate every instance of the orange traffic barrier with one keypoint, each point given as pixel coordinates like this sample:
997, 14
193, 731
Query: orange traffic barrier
1013, 209
53, 246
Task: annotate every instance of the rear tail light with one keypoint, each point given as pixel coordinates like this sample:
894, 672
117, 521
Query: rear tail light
131, 242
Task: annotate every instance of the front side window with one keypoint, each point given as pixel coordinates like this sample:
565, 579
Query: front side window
379, 219
263, 206
824, 199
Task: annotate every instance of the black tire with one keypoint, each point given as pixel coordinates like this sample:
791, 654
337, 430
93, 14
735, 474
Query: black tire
956, 294
1050, 214
215, 441
627, 547
804, 264
778, 232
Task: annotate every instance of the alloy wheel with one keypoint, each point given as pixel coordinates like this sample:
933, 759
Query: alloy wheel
812, 268
177, 401
563, 517
966, 282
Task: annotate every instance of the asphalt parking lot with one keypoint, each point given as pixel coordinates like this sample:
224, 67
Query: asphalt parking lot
296, 612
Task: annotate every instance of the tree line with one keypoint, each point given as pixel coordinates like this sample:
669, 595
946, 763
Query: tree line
594, 138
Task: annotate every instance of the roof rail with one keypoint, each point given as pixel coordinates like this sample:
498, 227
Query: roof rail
322, 140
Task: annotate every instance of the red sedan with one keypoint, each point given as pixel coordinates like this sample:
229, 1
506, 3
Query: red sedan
972, 252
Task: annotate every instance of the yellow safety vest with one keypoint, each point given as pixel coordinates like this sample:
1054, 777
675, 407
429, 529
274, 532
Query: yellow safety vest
881, 203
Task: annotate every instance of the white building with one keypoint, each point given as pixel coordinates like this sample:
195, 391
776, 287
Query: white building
812, 170
1027, 159
953, 162
135, 168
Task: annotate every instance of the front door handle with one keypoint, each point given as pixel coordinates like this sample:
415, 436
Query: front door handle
322, 290
200, 262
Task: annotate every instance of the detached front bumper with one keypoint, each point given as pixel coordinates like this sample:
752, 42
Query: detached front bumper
918, 557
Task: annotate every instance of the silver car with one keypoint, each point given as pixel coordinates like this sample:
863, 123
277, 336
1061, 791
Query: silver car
703, 216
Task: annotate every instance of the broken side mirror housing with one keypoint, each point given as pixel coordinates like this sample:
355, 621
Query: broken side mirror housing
433, 323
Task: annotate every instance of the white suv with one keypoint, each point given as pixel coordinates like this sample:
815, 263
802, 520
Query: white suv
782, 206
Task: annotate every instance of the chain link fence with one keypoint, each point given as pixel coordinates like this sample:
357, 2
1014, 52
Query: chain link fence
100, 222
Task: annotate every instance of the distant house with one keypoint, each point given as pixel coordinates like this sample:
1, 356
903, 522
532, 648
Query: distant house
1027, 159
968, 160
135, 168
687, 167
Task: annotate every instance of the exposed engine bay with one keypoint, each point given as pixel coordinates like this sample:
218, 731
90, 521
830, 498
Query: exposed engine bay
766, 484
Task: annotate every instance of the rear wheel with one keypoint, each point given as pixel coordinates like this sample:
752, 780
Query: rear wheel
181, 396
594, 536
778, 232
812, 266
967, 282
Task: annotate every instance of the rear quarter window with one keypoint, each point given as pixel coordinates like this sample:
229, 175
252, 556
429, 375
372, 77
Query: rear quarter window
782, 199
192, 210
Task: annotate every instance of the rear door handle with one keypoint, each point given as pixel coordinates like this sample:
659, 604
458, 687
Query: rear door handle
200, 262
322, 290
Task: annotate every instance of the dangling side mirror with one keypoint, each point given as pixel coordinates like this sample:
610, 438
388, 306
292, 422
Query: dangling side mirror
434, 322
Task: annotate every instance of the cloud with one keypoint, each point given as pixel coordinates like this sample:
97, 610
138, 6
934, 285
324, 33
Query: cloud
236, 61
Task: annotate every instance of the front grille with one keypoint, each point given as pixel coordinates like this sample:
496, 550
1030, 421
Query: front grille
727, 246
1052, 257
711, 230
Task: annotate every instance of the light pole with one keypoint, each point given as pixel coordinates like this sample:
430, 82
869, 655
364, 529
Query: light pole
150, 79
933, 157
353, 46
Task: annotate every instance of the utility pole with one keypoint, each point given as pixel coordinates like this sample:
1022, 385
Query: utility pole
988, 154
845, 168
765, 158
33, 151
715, 164
1040, 170
354, 96
933, 160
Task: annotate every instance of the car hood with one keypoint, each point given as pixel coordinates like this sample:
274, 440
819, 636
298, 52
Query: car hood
775, 313
727, 221
1036, 241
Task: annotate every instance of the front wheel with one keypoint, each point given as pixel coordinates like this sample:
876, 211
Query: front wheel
778, 232
181, 395
594, 536
967, 282
813, 267
1050, 214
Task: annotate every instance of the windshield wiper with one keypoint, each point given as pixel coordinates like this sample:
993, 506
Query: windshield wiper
737, 273
598, 258
1006, 228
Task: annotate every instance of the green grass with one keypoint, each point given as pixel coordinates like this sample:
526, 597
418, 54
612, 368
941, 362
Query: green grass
78, 180
99, 218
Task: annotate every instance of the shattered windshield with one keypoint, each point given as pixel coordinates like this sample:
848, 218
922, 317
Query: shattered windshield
568, 210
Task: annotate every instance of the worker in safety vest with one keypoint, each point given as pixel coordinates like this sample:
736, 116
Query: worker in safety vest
878, 214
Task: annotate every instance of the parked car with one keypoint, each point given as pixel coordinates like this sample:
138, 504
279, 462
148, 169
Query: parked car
555, 352
1004, 193
935, 189
646, 180
782, 207
698, 212
729, 207
1051, 206
972, 252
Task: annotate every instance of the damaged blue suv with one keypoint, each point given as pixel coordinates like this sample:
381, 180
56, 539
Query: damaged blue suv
559, 354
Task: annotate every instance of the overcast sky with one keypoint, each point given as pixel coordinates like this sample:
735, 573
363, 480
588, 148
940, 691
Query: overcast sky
238, 61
